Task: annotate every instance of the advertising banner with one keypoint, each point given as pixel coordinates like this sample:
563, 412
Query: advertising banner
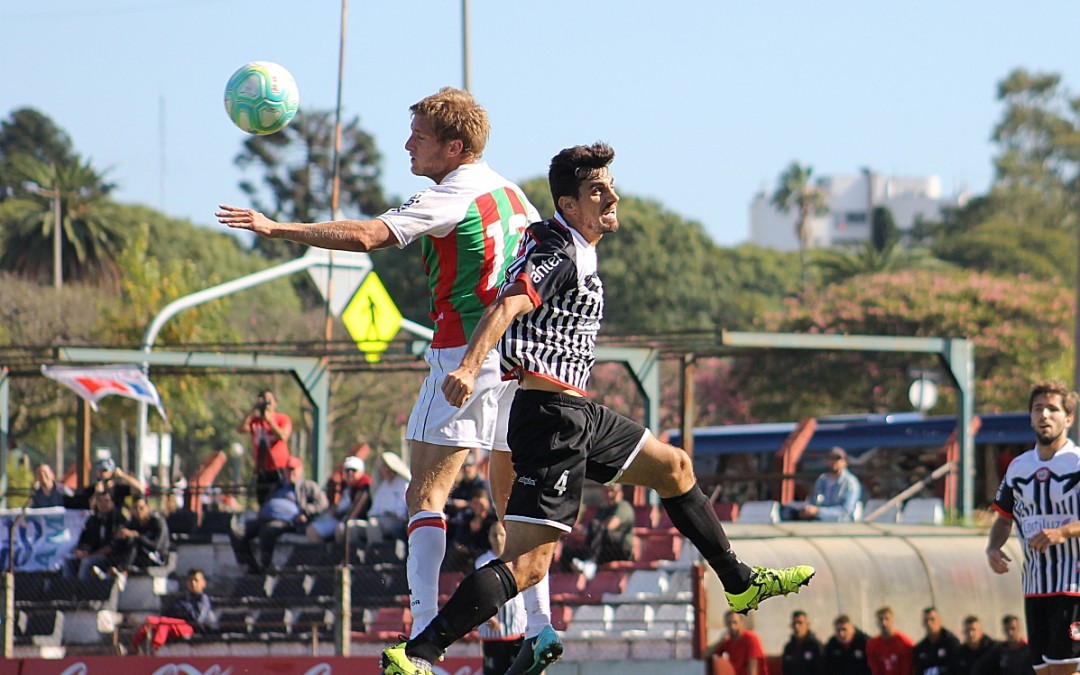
226, 665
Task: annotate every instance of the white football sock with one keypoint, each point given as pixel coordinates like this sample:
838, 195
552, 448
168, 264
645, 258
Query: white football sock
427, 545
537, 607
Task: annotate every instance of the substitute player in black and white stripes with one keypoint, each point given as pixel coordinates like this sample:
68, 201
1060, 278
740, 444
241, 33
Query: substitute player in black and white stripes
1040, 495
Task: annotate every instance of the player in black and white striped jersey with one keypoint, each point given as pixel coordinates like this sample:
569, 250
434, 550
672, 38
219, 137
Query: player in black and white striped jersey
1040, 495
547, 315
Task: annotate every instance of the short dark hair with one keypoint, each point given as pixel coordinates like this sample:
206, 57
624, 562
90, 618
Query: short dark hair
797, 613
1050, 387
195, 570
842, 620
970, 619
1009, 618
573, 166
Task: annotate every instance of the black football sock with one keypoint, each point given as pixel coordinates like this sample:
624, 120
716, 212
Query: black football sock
694, 517
476, 600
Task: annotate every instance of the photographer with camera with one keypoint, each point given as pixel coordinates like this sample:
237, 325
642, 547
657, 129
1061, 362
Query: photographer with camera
270, 431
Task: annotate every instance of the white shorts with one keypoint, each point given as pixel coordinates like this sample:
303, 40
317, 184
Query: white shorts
480, 423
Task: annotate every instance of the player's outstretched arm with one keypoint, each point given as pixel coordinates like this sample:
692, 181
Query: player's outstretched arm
340, 235
512, 303
999, 534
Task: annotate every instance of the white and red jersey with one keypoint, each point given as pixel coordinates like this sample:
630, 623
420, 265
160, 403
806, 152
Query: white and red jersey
1041, 494
468, 226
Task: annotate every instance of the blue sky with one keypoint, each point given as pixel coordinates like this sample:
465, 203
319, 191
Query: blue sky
705, 102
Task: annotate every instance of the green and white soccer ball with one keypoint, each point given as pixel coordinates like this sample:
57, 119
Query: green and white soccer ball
261, 98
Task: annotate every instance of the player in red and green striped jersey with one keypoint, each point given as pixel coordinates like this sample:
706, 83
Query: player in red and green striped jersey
468, 224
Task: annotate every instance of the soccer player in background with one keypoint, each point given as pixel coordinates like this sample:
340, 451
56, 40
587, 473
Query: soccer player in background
1039, 494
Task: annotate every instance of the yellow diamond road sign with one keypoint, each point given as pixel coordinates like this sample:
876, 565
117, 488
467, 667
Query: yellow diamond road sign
371, 317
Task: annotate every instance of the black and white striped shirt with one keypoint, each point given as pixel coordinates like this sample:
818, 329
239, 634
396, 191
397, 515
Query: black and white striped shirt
557, 339
1037, 495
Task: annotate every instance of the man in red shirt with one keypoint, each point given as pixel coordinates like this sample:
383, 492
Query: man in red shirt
742, 647
889, 653
270, 431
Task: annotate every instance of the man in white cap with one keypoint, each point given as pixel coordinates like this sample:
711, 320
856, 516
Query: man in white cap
355, 501
389, 513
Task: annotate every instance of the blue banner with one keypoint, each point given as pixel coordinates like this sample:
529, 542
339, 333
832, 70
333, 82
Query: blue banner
42, 539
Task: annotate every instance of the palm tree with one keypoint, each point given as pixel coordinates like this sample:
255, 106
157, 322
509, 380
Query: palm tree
794, 189
91, 236
839, 265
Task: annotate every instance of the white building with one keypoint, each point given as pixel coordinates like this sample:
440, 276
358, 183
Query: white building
849, 203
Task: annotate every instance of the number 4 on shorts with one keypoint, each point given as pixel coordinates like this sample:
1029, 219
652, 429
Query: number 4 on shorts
560, 485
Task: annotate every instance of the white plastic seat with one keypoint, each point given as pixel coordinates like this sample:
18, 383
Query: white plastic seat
673, 619
764, 511
926, 511
889, 515
646, 582
637, 617
590, 619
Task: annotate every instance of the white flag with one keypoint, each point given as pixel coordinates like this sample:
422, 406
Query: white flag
95, 383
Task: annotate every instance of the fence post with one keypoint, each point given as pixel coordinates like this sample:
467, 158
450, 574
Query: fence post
343, 626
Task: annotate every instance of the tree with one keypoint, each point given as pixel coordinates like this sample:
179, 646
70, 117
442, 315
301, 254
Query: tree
883, 230
91, 236
29, 132
1021, 327
297, 172
864, 258
794, 190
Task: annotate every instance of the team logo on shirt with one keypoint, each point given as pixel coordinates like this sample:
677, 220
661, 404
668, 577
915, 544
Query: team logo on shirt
544, 268
412, 200
1042, 475
1074, 631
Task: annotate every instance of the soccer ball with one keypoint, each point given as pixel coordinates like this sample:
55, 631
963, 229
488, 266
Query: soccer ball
261, 98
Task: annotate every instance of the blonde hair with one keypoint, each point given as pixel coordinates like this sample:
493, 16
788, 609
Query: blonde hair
455, 115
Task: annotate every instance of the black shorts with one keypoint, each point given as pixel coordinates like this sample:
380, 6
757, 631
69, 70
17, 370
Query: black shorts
556, 442
1053, 628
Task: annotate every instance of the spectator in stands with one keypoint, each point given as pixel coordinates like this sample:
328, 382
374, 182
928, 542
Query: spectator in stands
610, 535
188, 614
355, 501
468, 532
1011, 657
109, 478
98, 548
270, 431
802, 653
288, 508
889, 652
835, 495
975, 644
742, 647
938, 652
47, 490
502, 635
462, 492
147, 538
845, 652
389, 513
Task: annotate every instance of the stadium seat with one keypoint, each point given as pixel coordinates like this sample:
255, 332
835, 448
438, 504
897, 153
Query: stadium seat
384, 624
765, 511
641, 586
633, 617
890, 515
726, 511
590, 619
674, 619
660, 546
928, 511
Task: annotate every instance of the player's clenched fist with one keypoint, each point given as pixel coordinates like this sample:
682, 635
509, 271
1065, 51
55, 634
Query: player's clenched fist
458, 387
